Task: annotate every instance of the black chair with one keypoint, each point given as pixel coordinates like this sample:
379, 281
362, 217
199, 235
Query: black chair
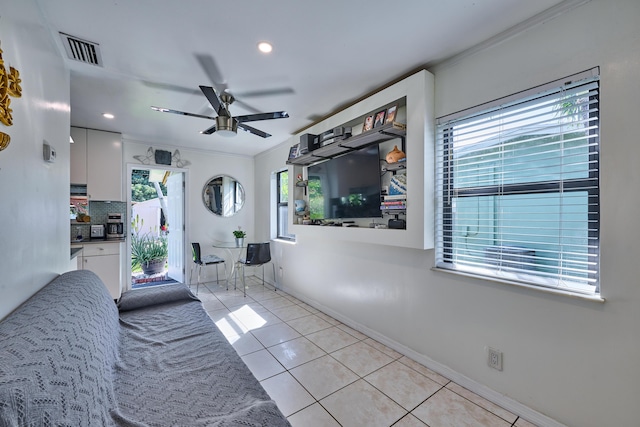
199, 261
258, 254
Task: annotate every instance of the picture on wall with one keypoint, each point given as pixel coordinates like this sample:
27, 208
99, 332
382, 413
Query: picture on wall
391, 114
368, 123
379, 121
163, 157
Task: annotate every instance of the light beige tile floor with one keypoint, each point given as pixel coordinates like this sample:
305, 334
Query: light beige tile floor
321, 372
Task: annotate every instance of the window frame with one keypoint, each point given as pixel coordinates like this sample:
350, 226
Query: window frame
445, 230
280, 234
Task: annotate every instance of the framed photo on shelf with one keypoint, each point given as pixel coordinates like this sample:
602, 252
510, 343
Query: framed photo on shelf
293, 152
368, 123
379, 118
391, 114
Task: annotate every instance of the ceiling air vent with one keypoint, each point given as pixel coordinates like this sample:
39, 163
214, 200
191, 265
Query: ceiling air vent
82, 50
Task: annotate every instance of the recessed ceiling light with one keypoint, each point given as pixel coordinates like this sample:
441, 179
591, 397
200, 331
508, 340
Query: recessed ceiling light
108, 115
265, 47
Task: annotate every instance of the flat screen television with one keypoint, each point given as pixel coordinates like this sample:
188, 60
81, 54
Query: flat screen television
347, 186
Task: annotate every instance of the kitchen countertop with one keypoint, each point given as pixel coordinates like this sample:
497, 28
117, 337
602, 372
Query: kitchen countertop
85, 241
75, 252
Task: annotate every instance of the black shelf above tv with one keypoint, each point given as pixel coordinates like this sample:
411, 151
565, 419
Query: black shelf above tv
305, 159
329, 151
377, 135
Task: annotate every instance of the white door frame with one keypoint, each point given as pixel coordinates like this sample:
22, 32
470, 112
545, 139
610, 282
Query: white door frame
175, 195
127, 227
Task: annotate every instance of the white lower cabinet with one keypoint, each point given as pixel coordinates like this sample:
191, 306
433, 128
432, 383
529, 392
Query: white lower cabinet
104, 260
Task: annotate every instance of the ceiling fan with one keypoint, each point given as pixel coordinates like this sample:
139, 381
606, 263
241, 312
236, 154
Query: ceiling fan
220, 99
226, 124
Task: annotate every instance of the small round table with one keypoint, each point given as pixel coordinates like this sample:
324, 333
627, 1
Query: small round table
230, 248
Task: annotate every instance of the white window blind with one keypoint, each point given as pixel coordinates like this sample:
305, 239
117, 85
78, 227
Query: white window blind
517, 188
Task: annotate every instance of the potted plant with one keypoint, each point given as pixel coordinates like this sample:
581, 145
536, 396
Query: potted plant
148, 251
239, 234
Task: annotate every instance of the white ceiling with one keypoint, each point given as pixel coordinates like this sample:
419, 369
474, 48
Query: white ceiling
329, 52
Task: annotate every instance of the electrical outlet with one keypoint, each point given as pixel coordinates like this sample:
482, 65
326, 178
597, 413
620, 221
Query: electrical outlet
495, 359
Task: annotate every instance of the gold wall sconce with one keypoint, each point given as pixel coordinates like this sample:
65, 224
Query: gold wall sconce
9, 87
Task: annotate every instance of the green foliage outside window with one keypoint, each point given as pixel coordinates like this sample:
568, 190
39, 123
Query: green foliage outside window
284, 187
316, 199
141, 188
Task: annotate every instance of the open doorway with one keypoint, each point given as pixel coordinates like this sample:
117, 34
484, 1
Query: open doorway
156, 244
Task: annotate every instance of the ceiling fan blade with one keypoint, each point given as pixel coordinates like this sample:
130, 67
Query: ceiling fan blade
262, 116
214, 100
209, 131
182, 113
212, 71
246, 106
206, 108
265, 92
174, 88
254, 130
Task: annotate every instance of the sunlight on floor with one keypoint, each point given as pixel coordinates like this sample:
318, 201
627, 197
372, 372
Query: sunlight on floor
249, 318
228, 329
239, 322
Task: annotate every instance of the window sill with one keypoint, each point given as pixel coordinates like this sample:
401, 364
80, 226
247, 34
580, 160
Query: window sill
281, 240
555, 291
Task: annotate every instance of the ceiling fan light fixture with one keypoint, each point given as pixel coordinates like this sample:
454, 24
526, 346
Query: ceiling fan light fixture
226, 126
265, 47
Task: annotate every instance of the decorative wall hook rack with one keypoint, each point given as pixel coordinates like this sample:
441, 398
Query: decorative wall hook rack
150, 156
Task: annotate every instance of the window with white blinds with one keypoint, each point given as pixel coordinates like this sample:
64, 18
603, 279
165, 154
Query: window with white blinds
517, 187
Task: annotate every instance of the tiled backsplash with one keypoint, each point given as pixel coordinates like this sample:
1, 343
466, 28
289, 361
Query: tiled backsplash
98, 212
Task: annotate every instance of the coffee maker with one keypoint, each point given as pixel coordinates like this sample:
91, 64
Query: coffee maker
115, 226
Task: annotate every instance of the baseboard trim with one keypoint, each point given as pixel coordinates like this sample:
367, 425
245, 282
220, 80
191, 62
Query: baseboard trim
491, 395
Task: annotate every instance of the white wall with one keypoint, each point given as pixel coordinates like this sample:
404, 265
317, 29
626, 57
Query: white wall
148, 214
34, 236
568, 359
202, 225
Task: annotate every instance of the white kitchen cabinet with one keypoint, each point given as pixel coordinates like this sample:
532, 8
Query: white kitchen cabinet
104, 165
104, 260
74, 260
78, 156
96, 160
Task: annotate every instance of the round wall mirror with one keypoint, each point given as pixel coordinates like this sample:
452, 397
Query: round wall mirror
223, 195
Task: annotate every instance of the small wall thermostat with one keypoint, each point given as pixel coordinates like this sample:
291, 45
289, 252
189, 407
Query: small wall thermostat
48, 153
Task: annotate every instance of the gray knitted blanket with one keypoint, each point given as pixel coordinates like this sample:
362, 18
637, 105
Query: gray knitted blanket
177, 368
68, 358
